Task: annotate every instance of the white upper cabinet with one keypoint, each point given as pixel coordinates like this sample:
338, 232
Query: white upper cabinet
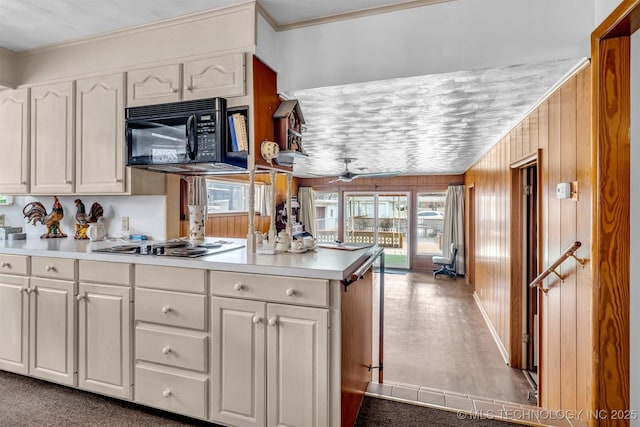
217, 76
52, 138
154, 85
212, 77
14, 141
100, 163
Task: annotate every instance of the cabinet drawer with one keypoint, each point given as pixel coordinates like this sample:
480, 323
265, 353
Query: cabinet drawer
114, 273
291, 290
54, 268
171, 308
14, 264
170, 278
182, 350
172, 391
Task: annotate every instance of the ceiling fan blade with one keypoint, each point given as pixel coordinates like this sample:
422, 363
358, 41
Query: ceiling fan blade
376, 174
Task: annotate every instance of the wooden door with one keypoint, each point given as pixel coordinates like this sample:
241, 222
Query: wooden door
104, 339
217, 76
531, 230
14, 321
238, 362
100, 162
52, 138
51, 330
297, 366
154, 85
14, 141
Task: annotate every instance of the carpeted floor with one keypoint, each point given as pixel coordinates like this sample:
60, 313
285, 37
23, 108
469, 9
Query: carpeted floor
27, 402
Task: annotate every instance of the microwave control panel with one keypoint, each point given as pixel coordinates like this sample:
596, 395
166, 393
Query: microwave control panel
206, 135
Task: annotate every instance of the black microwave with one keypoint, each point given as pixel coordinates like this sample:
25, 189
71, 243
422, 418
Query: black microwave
180, 137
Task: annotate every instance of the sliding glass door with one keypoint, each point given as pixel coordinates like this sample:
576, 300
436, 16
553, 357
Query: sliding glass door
379, 218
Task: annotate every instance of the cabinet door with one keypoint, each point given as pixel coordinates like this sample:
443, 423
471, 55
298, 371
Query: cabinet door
51, 330
213, 77
14, 320
52, 138
297, 366
155, 85
100, 163
104, 339
14, 142
237, 363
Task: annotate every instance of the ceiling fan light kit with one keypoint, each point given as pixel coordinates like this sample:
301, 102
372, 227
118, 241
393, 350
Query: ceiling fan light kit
347, 176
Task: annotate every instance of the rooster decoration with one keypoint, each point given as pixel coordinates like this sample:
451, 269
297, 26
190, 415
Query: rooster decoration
35, 212
83, 220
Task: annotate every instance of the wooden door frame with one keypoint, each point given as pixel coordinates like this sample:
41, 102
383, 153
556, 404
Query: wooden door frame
610, 253
516, 354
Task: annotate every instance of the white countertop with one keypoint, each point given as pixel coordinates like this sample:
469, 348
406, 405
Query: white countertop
319, 264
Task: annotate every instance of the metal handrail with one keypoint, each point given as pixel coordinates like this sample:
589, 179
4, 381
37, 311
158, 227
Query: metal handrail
537, 282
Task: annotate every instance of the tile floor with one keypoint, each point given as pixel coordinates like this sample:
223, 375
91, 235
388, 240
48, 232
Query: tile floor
472, 406
435, 336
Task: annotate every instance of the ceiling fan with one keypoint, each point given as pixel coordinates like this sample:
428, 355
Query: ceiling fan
348, 176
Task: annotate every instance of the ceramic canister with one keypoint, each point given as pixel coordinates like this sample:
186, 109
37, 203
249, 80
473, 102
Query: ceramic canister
196, 222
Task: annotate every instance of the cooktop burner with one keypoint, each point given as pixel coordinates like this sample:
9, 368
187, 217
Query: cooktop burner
177, 248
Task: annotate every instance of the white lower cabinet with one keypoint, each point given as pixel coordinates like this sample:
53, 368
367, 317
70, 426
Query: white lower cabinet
51, 330
14, 324
269, 364
104, 339
171, 341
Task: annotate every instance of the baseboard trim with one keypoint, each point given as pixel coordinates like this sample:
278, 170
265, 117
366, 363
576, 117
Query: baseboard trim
501, 348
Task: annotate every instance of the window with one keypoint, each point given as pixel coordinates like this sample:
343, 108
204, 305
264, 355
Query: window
430, 222
326, 216
230, 196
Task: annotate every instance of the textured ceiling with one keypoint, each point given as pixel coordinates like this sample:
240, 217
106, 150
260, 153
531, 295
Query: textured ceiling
433, 124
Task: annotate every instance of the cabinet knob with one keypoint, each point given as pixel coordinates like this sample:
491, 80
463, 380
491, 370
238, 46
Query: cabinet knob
50, 268
4, 265
28, 291
117, 180
289, 292
67, 182
238, 286
166, 350
23, 290
189, 88
166, 309
175, 90
80, 297
256, 319
166, 393
273, 321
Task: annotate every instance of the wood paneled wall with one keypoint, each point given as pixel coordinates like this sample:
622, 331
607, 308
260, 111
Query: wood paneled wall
406, 184
559, 129
236, 225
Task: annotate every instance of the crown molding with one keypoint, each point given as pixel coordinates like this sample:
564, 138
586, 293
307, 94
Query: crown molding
262, 11
168, 22
357, 14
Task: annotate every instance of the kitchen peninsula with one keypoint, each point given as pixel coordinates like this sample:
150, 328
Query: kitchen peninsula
234, 338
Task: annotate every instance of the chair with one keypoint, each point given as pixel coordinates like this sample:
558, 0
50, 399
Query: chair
448, 264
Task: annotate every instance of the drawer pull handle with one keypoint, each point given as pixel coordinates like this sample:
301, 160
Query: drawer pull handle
166, 309
80, 297
5, 265
166, 350
166, 393
238, 286
256, 319
50, 268
273, 321
289, 292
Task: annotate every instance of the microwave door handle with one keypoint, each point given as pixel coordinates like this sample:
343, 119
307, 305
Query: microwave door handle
192, 140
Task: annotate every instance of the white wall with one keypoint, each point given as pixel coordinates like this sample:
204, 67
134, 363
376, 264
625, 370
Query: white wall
147, 214
445, 37
603, 8
634, 281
